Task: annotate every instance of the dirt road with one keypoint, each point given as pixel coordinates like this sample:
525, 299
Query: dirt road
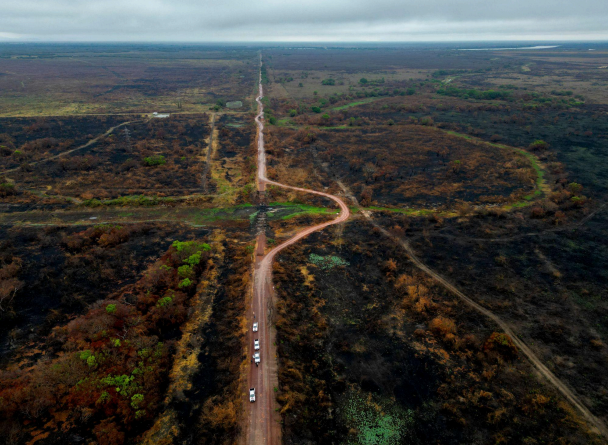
263, 425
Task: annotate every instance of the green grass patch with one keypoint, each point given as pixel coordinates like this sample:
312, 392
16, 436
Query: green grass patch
353, 104
374, 420
327, 262
135, 200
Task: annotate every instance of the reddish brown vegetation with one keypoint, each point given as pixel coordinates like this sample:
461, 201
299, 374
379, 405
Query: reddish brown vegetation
407, 164
110, 366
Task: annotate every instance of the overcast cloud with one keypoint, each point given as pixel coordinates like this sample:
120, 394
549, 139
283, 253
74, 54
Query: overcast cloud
306, 20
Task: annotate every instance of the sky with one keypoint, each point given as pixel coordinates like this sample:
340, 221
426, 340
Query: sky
302, 20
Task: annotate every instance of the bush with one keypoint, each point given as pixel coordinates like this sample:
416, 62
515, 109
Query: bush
155, 160
502, 344
315, 109
185, 283
538, 144
442, 326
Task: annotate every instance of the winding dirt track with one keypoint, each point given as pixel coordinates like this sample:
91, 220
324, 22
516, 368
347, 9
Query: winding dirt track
263, 423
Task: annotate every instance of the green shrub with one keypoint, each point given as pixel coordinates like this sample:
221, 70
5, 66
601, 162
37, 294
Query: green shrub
155, 160
185, 271
164, 302
136, 399
180, 246
538, 145
111, 309
194, 259
185, 283
315, 109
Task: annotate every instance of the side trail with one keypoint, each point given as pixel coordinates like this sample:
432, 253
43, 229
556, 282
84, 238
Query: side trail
596, 424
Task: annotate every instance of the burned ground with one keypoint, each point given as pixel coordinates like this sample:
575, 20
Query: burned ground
63, 270
413, 165
161, 155
549, 285
369, 346
27, 140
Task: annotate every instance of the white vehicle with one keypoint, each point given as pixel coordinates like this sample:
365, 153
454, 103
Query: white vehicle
256, 357
256, 344
255, 327
252, 394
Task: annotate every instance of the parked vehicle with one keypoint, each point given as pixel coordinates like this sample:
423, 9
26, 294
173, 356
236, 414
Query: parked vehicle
252, 394
255, 327
256, 358
256, 344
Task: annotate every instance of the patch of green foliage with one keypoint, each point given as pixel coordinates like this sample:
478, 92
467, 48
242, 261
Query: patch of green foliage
164, 302
376, 422
136, 400
180, 246
327, 262
152, 161
185, 271
111, 309
475, 94
137, 200
185, 283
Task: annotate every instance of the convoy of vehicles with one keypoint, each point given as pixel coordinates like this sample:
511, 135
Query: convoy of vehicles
256, 359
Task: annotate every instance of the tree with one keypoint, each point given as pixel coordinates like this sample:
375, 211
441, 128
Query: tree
575, 188
363, 81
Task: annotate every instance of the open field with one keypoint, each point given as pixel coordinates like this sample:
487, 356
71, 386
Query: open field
82, 79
